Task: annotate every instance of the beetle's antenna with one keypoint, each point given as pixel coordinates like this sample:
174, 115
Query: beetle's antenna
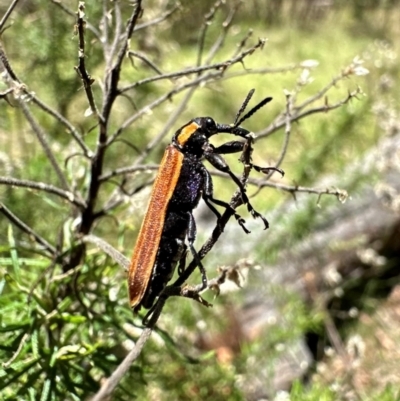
235, 128
243, 106
253, 110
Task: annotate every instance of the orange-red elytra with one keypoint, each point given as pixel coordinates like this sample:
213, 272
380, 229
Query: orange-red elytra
145, 251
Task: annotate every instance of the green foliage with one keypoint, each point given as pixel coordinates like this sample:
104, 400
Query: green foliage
317, 392
56, 332
300, 392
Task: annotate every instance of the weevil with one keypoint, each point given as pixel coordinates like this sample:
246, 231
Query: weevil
181, 182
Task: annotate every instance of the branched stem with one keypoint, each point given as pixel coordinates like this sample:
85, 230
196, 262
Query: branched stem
87, 80
43, 139
196, 70
298, 112
42, 186
112, 382
7, 14
26, 229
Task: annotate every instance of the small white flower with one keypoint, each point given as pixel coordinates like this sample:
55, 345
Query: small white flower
282, 396
342, 196
357, 60
360, 71
329, 351
88, 112
309, 63
356, 346
305, 77
332, 276
370, 257
113, 294
353, 312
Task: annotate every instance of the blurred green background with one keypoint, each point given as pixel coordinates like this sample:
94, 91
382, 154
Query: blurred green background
59, 346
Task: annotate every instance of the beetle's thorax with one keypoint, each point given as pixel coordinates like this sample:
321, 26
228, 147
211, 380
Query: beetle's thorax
192, 138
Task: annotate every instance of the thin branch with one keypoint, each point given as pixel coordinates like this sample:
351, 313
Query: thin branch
120, 196
46, 147
41, 186
196, 70
341, 194
69, 273
181, 73
24, 339
104, 26
72, 13
112, 382
323, 91
127, 170
195, 82
288, 126
263, 71
286, 141
168, 125
243, 43
43, 106
262, 183
192, 292
157, 20
7, 66
87, 80
3, 95
296, 115
128, 33
203, 31
7, 14
115, 255
334, 337
117, 37
25, 228
110, 94
166, 96
60, 118
221, 38
145, 59
113, 75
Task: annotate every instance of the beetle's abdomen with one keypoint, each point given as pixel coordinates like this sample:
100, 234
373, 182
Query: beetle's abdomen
184, 199
169, 253
189, 186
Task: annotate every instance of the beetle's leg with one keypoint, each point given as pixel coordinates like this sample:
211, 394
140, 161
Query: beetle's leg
182, 260
237, 146
208, 198
267, 170
226, 205
211, 206
208, 189
154, 312
219, 163
191, 236
229, 147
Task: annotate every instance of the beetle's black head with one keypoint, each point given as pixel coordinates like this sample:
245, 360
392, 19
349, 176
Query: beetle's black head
192, 137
